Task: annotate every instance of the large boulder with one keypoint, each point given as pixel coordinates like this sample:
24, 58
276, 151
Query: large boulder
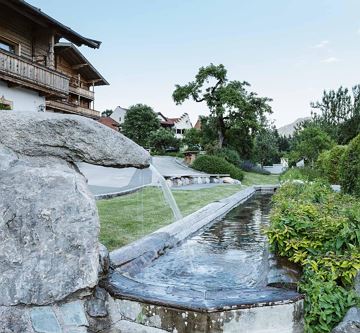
72, 138
49, 224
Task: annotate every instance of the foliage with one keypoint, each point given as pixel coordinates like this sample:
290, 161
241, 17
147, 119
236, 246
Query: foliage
5, 106
163, 139
350, 168
192, 138
304, 174
309, 141
249, 166
217, 165
319, 229
236, 113
139, 122
339, 113
328, 163
230, 155
266, 150
107, 113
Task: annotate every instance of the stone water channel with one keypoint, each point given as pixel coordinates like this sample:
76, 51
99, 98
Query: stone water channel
215, 281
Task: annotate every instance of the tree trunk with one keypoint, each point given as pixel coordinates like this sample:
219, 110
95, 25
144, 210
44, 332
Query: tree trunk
221, 131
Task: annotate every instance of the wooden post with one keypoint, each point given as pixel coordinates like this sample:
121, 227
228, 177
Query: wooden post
51, 53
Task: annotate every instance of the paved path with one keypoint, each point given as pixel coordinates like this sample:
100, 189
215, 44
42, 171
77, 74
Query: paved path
169, 167
103, 180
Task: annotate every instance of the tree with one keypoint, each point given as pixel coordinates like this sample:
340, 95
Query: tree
192, 138
163, 139
266, 149
139, 122
107, 113
338, 113
309, 142
230, 104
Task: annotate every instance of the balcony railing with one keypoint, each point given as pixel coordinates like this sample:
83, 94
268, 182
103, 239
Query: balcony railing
82, 92
72, 108
27, 73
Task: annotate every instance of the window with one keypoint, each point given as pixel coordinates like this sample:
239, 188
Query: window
178, 131
7, 46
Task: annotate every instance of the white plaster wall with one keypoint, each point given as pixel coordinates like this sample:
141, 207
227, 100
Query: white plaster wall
23, 99
119, 114
183, 123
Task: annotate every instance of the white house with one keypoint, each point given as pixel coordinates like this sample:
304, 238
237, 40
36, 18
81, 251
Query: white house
179, 125
119, 114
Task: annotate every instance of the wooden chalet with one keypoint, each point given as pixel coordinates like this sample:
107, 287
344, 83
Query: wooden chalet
37, 71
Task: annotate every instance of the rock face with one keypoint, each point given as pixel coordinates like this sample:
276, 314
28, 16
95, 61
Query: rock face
350, 323
72, 138
48, 218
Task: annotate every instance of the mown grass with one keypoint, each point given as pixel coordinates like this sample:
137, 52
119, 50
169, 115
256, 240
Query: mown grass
127, 218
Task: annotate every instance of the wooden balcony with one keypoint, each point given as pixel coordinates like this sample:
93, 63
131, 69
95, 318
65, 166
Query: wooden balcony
81, 92
26, 73
72, 108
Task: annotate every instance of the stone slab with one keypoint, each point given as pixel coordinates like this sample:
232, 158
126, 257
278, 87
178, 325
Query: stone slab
44, 320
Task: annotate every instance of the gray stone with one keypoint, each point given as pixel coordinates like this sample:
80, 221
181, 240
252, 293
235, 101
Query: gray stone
48, 217
357, 283
72, 138
44, 320
350, 323
48, 231
73, 314
14, 320
96, 306
104, 260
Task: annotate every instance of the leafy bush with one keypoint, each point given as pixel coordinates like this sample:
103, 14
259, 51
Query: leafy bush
251, 167
163, 139
350, 168
328, 164
305, 174
319, 229
215, 164
230, 155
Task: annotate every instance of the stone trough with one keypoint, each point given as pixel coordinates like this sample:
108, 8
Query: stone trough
167, 308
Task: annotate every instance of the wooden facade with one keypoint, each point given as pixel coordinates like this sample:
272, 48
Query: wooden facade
32, 57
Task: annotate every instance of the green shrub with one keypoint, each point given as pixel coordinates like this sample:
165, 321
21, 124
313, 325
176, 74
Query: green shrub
319, 229
215, 164
350, 168
305, 174
232, 156
328, 164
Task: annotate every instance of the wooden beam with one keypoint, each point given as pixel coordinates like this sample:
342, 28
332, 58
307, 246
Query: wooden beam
79, 66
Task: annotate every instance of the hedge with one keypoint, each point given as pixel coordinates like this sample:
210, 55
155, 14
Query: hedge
328, 164
319, 229
350, 168
217, 165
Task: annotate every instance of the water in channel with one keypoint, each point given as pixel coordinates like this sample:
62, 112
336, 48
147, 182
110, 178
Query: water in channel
232, 253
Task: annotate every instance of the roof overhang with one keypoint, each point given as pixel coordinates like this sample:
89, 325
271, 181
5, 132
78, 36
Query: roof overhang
40, 18
78, 62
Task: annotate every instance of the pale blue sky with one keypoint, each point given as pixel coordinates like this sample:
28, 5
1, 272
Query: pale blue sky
288, 50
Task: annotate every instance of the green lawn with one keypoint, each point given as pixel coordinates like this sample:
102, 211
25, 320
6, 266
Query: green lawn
130, 217
257, 179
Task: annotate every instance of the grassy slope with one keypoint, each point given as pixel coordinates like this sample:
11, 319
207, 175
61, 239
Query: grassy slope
130, 217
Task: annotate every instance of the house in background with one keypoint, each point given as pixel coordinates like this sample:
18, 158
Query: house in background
179, 125
119, 114
39, 73
109, 122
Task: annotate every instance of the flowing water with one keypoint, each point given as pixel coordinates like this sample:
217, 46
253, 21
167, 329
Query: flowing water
160, 180
231, 253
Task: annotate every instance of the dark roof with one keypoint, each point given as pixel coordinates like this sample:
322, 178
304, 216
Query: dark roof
74, 57
37, 16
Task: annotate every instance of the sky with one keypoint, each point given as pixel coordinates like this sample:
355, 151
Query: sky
287, 50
